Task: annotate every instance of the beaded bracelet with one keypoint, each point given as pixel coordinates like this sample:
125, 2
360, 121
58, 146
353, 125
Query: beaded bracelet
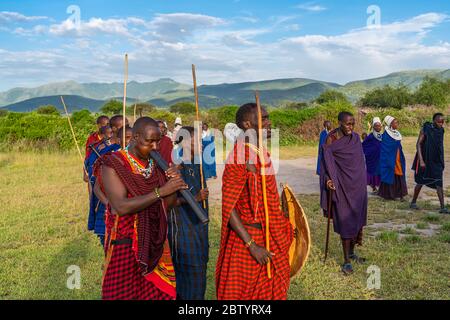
157, 193
248, 244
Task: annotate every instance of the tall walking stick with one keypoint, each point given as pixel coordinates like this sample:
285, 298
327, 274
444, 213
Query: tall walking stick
73, 135
263, 178
199, 136
330, 206
124, 100
134, 114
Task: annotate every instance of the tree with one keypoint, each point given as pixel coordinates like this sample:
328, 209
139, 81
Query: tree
143, 108
48, 109
183, 107
387, 97
432, 92
331, 96
112, 107
3, 112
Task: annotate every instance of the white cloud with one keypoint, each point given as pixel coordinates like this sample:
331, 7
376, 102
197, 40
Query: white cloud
12, 17
310, 6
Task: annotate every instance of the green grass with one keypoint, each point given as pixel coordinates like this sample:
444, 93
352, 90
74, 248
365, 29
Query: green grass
43, 232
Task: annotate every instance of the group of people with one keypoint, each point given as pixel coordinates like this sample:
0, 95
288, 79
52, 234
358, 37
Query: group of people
157, 248
346, 167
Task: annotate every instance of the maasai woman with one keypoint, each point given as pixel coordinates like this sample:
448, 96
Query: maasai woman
209, 153
392, 163
372, 149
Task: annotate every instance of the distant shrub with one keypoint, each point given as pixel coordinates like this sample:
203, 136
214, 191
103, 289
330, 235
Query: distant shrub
388, 97
143, 108
49, 109
3, 112
219, 117
183, 108
433, 92
112, 107
331, 96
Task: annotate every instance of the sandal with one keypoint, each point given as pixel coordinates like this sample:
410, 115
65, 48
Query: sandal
444, 211
357, 259
347, 269
414, 206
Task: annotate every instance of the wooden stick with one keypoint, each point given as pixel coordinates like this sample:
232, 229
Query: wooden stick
327, 238
73, 135
134, 114
263, 177
199, 141
125, 100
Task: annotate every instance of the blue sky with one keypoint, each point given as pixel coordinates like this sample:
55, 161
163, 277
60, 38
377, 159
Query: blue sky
229, 41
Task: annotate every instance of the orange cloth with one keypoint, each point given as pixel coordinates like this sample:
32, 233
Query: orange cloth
398, 165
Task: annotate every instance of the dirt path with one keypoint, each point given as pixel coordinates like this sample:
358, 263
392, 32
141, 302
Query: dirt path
300, 174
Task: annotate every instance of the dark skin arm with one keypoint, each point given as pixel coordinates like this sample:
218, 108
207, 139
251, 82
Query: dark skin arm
419, 144
330, 184
260, 254
117, 194
100, 195
202, 195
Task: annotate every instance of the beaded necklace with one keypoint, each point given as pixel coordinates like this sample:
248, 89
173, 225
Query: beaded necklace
146, 172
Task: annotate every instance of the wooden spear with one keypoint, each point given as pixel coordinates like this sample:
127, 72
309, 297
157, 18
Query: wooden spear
263, 177
73, 135
199, 136
134, 114
125, 100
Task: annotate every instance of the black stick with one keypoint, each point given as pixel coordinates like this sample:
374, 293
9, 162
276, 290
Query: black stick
198, 210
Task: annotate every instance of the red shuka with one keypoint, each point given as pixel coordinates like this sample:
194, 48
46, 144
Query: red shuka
142, 270
93, 138
238, 275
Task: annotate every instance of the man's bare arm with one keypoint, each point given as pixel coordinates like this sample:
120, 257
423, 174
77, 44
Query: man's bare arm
420, 141
100, 195
117, 194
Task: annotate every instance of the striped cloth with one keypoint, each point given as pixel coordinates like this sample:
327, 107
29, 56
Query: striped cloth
238, 275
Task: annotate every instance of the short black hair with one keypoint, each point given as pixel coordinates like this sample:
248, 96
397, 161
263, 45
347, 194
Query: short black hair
179, 136
437, 115
243, 113
114, 119
342, 115
120, 132
325, 122
99, 119
143, 123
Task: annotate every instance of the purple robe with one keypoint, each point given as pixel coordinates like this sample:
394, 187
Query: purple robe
343, 162
372, 149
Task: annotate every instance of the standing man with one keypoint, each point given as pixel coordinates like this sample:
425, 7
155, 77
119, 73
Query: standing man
343, 179
188, 236
166, 144
372, 148
429, 162
138, 263
209, 153
241, 272
96, 136
392, 163
322, 139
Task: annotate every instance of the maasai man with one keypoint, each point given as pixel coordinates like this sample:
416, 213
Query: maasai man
209, 153
116, 123
177, 126
128, 135
166, 144
372, 148
429, 162
188, 237
322, 139
392, 162
138, 262
343, 177
241, 272
96, 221
94, 137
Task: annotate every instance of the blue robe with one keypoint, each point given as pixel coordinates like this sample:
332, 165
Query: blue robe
372, 149
209, 157
388, 157
97, 209
322, 140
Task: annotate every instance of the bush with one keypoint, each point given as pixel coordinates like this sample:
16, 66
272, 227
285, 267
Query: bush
183, 108
331, 96
143, 108
433, 92
3, 112
219, 117
387, 97
49, 109
112, 107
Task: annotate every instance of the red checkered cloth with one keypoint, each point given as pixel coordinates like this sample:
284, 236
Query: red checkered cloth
238, 275
93, 137
149, 267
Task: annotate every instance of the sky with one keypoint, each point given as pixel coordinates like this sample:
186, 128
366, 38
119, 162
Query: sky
44, 41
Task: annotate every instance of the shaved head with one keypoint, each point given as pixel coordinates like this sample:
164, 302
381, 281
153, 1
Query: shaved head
143, 123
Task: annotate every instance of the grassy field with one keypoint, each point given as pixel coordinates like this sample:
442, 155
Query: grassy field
43, 232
